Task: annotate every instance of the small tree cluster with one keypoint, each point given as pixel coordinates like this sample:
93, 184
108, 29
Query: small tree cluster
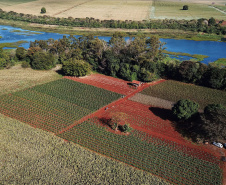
184, 109
185, 7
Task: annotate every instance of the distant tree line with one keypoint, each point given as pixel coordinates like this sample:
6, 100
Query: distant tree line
200, 25
140, 58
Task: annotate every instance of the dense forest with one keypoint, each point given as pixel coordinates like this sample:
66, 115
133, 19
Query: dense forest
140, 58
200, 25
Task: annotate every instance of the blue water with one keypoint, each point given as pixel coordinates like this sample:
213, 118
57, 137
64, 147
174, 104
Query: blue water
213, 49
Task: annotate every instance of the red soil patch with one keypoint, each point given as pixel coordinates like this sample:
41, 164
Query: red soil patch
105, 82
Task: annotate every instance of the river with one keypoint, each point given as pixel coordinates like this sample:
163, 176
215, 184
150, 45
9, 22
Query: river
213, 49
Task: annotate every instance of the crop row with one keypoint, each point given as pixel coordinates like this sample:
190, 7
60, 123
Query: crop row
156, 157
83, 95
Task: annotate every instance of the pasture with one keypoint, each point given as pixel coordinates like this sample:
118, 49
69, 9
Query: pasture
173, 10
33, 156
118, 10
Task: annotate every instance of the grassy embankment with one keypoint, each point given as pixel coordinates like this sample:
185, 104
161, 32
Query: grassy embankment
164, 33
174, 91
33, 156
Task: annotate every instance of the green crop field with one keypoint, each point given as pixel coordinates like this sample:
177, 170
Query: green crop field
33, 156
174, 91
163, 158
55, 105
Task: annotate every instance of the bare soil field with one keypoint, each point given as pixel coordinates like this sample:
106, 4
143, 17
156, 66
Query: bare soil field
17, 78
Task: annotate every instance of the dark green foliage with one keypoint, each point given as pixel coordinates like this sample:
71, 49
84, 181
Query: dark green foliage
184, 109
126, 128
214, 122
25, 64
215, 77
76, 68
42, 61
190, 25
211, 21
191, 72
185, 7
5, 60
20, 53
43, 10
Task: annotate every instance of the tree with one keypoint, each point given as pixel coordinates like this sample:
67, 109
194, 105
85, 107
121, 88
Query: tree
75, 67
185, 109
42, 61
211, 21
20, 53
214, 121
185, 7
43, 10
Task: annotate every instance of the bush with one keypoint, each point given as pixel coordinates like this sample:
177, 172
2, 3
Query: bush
126, 128
25, 64
42, 61
214, 122
20, 53
76, 68
185, 109
185, 7
43, 10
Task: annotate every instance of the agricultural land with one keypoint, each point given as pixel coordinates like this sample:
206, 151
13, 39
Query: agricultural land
78, 110
118, 10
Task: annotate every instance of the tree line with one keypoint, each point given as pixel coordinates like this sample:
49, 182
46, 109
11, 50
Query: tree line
140, 58
200, 25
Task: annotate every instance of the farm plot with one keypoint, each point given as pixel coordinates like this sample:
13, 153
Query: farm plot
178, 90
99, 9
154, 155
173, 10
55, 105
106, 82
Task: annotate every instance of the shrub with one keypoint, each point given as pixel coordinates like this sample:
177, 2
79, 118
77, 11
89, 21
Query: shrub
25, 64
20, 53
43, 10
185, 109
76, 68
185, 7
42, 61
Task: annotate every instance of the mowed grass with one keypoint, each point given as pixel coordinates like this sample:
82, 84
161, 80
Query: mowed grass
174, 91
18, 78
173, 10
33, 156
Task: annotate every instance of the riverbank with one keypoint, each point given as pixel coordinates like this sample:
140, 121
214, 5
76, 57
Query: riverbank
163, 33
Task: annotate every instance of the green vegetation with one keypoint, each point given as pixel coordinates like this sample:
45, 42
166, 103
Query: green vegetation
55, 105
154, 155
76, 68
221, 62
43, 10
187, 25
198, 57
184, 109
185, 7
175, 91
33, 156
12, 44
168, 9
